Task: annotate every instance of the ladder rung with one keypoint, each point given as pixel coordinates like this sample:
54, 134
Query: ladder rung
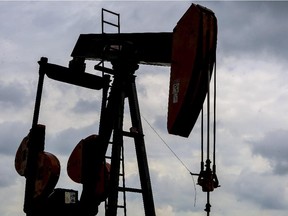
120, 206
128, 134
103, 69
111, 12
109, 23
134, 190
131, 134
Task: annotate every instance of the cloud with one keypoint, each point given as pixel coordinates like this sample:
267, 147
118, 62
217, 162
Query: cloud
263, 190
86, 106
8, 173
14, 95
11, 134
251, 114
273, 147
257, 27
63, 142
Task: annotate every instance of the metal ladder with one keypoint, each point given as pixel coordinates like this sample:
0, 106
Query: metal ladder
128, 91
108, 23
123, 87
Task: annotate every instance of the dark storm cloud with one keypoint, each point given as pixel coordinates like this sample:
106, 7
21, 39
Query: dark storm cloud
260, 189
13, 95
274, 148
58, 24
251, 27
64, 141
11, 134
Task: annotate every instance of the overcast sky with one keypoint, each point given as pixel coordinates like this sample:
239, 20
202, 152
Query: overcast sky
252, 95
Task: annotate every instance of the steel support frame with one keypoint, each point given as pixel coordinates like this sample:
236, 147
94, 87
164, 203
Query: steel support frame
124, 86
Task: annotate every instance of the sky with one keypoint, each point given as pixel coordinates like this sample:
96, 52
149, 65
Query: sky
252, 102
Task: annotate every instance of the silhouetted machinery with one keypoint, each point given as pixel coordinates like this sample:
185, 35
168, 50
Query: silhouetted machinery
190, 51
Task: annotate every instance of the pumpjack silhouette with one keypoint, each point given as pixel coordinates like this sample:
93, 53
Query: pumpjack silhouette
190, 51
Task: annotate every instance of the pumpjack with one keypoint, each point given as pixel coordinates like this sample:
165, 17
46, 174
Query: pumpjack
189, 50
